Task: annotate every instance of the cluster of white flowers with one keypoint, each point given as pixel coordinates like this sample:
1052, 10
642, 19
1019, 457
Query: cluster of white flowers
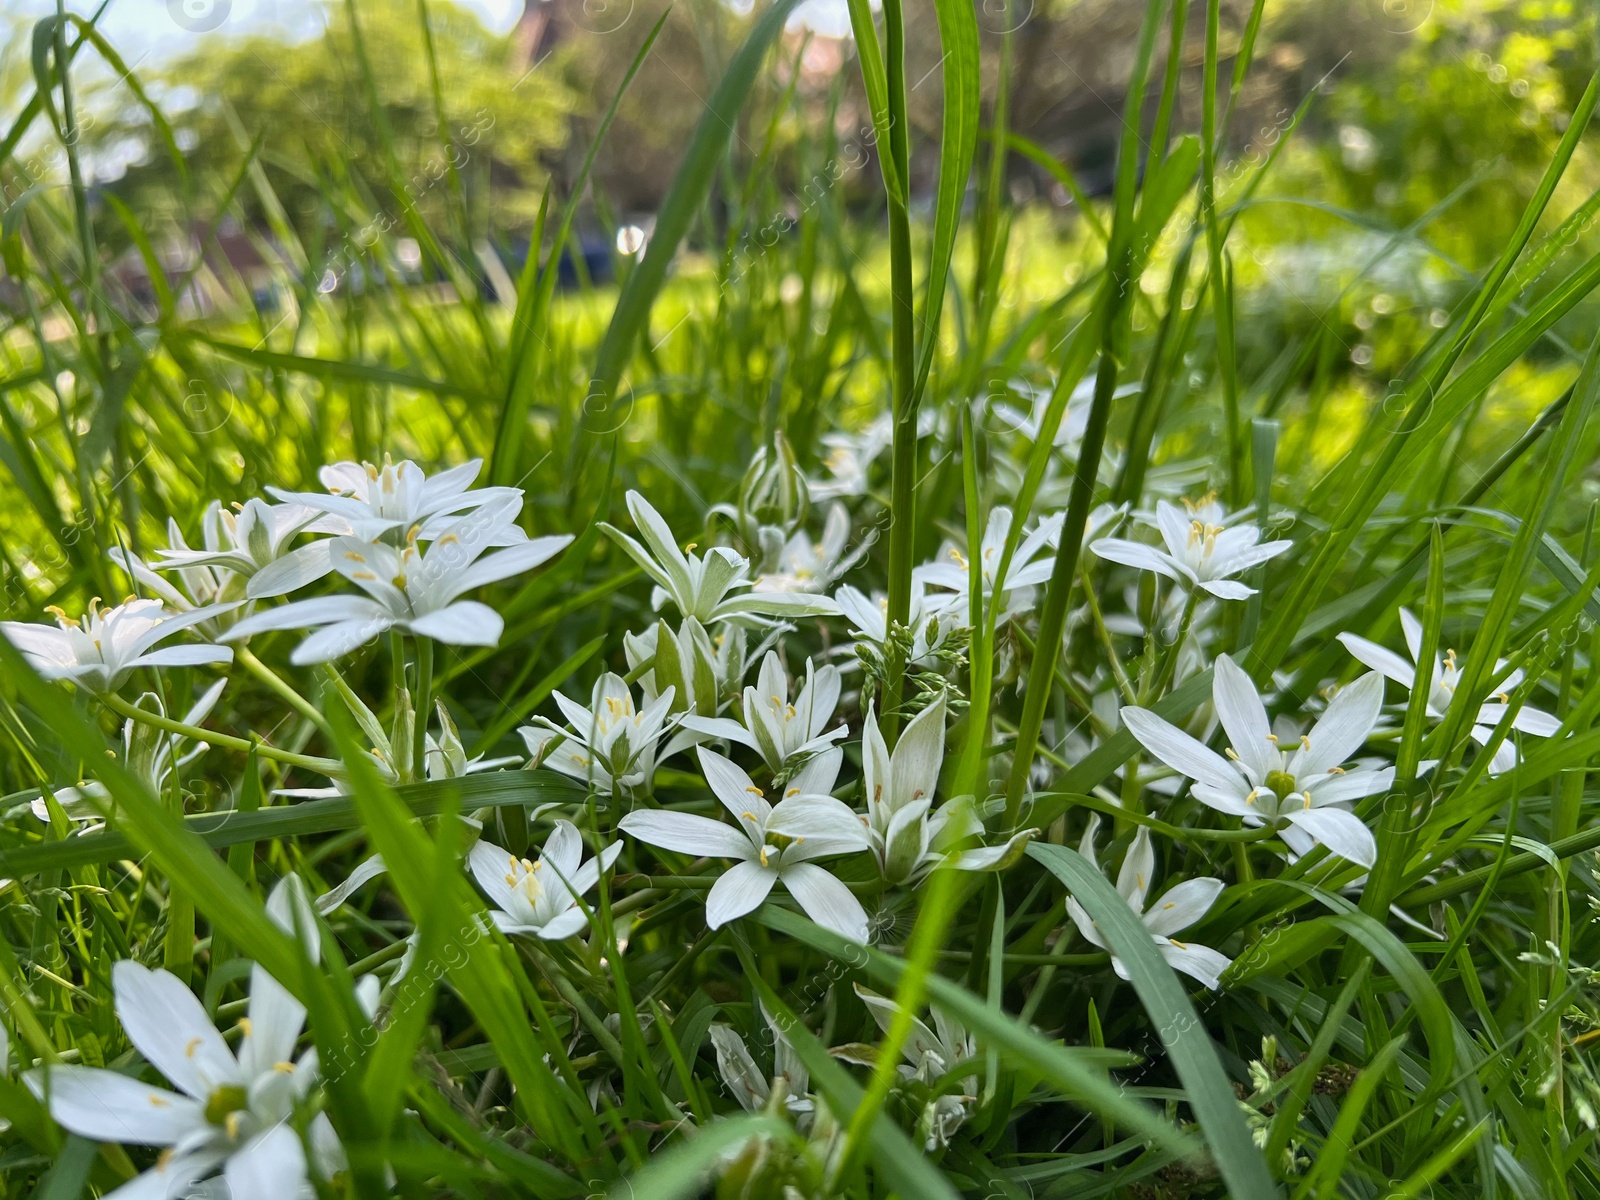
824, 808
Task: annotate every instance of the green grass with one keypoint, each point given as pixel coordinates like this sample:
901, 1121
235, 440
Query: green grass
1424, 1028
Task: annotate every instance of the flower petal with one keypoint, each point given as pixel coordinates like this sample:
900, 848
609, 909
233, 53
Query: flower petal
740, 890
826, 901
1381, 659
733, 787
171, 1029
822, 825
1181, 752
686, 833
464, 623
271, 1166
1135, 554
1182, 906
1342, 729
108, 1107
1198, 962
1341, 832
1242, 714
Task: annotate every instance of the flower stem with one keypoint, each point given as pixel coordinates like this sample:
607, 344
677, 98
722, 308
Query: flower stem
281, 687
419, 741
323, 766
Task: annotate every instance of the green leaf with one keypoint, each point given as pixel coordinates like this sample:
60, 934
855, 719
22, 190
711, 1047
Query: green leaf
1206, 1085
688, 192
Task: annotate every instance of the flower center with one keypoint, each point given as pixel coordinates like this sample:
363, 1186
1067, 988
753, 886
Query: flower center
224, 1102
1282, 784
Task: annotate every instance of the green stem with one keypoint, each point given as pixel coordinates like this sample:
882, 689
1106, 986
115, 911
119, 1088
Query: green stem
323, 766
902, 523
281, 688
419, 741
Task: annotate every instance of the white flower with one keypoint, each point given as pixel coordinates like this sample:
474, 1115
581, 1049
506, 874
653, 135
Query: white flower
541, 897
251, 545
230, 1114
1074, 421
610, 743
709, 589
909, 837
849, 459
807, 566
1262, 783
930, 1056
1178, 908
371, 502
1025, 570
106, 645
932, 619
399, 504
417, 592
151, 754
773, 843
1200, 552
1442, 690
701, 668
751, 1086
779, 731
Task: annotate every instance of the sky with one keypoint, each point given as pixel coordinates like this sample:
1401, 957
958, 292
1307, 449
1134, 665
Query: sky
150, 30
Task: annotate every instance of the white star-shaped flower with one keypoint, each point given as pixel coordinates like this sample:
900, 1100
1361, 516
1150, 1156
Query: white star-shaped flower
773, 843
1301, 792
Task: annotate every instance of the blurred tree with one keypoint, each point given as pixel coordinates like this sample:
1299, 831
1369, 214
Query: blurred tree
313, 106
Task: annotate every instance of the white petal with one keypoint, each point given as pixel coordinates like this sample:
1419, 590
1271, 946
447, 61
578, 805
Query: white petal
1341, 832
109, 1107
1412, 628
733, 787
513, 561
564, 925
686, 833
1536, 722
464, 623
276, 1019
1380, 659
1086, 926
184, 656
826, 901
1179, 751
1352, 785
824, 825
1199, 962
740, 890
1135, 554
1182, 906
1138, 867
171, 1029
918, 755
1342, 729
1230, 800
1242, 714
490, 865
269, 1167
291, 572
370, 868
337, 640
1226, 589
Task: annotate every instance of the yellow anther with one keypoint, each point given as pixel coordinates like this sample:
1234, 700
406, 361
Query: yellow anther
1335, 770
192, 1046
283, 1068
755, 789
157, 1100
